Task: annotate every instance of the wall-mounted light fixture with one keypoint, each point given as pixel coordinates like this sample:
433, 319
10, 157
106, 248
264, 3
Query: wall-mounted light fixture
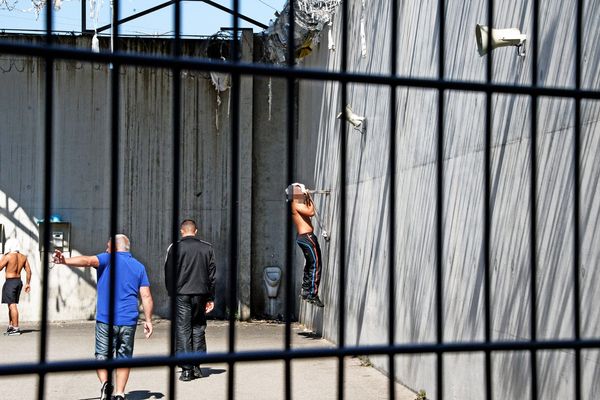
500, 38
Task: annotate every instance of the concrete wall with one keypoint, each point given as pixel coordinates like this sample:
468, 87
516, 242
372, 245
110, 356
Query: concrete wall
81, 184
368, 184
81, 175
269, 183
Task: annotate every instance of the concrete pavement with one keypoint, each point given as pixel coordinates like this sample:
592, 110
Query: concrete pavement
311, 378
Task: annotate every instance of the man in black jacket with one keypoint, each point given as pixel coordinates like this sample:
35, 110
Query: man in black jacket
190, 277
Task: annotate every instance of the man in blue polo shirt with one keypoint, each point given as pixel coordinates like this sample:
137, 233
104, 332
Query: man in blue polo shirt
131, 280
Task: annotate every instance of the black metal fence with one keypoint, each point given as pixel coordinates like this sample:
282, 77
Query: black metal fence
51, 52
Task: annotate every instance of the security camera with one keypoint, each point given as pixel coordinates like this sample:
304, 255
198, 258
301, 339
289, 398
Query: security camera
355, 120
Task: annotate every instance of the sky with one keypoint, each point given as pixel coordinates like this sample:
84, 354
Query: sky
198, 18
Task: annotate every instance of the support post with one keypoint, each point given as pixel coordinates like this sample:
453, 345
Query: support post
245, 211
83, 16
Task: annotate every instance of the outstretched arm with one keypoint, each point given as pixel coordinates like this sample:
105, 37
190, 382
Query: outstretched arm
148, 305
27, 276
79, 261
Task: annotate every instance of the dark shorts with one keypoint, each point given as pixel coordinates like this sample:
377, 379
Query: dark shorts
11, 291
123, 336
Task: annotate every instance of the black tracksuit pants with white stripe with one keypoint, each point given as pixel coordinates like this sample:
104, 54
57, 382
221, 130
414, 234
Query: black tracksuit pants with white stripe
312, 267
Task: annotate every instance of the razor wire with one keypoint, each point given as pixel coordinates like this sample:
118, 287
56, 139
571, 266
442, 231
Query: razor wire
36, 5
310, 18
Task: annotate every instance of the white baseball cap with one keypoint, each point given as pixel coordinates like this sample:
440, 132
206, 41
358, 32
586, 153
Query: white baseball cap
12, 245
300, 185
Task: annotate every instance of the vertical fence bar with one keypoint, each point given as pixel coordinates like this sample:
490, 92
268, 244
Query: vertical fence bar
48, 161
342, 235
533, 200
114, 181
235, 182
440, 206
83, 16
291, 123
176, 134
487, 212
392, 207
577, 199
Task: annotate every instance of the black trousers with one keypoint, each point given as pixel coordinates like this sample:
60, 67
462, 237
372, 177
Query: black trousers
312, 263
190, 325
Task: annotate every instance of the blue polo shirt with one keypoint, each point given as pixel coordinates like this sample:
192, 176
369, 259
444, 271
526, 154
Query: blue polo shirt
130, 276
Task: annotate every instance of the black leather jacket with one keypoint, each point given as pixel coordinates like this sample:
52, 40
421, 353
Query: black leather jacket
194, 271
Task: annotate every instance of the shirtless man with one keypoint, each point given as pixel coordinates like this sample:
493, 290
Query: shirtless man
303, 209
14, 262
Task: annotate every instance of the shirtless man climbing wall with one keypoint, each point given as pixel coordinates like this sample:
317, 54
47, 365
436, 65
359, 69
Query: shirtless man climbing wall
14, 262
303, 209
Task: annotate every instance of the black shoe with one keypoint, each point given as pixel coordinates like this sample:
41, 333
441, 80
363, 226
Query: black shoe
187, 375
316, 301
198, 372
11, 331
106, 391
118, 397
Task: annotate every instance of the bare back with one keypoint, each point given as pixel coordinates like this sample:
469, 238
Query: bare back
15, 262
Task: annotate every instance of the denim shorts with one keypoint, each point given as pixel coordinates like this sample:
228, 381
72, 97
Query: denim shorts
123, 337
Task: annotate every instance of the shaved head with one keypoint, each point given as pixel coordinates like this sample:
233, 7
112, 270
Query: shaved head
188, 227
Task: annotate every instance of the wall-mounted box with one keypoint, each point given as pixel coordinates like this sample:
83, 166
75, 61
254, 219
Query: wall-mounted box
60, 236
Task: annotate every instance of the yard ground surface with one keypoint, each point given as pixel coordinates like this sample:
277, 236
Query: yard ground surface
315, 378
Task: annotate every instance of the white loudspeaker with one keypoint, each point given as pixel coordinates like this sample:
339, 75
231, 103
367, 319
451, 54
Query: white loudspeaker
500, 38
348, 115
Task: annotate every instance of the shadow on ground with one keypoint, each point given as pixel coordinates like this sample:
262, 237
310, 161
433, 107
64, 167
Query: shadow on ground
24, 331
137, 395
206, 372
310, 335
144, 395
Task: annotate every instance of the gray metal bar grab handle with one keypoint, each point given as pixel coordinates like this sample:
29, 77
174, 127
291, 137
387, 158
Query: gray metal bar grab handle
324, 232
315, 191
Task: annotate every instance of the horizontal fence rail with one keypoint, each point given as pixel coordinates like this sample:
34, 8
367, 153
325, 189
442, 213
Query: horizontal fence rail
275, 355
61, 52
